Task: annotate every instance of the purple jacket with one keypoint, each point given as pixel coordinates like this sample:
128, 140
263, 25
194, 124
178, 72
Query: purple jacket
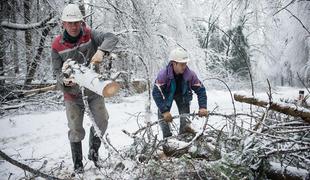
165, 88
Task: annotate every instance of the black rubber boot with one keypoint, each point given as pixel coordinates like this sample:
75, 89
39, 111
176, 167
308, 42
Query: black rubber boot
77, 156
94, 144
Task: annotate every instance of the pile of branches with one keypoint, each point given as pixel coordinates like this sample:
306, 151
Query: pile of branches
275, 146
279, 148
189, 156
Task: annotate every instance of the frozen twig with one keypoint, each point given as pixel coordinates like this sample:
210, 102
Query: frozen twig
109, 143
233, 103
284, 151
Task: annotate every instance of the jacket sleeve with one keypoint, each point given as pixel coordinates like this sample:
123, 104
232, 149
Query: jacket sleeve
104, 41
201, 94
57, 65
200, 90
159, 97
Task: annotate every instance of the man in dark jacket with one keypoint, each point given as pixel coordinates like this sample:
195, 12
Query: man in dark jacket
176, 82
78, 43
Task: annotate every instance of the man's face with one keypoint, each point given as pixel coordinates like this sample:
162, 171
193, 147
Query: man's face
179, 68
73, 28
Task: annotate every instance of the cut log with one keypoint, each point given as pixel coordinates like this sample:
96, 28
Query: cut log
88, 78
282, 108
92, 81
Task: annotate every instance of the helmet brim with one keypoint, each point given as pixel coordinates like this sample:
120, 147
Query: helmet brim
185, 60
71, 19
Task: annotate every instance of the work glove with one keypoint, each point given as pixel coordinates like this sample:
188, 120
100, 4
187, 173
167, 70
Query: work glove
189, 129
202, 112
66, 68
66, 65
167, 116
98, 56
70, 81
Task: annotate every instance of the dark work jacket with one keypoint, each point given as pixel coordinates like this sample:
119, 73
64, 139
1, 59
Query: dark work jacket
86, 46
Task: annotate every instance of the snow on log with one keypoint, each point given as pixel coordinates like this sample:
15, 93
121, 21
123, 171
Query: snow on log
283, 171
282, 108
88, 78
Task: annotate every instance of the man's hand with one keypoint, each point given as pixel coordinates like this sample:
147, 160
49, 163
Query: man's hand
70, 81
98, 56
66, 65
167, 117
202, 112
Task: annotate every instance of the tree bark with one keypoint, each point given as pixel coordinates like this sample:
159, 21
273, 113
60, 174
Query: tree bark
82, 7
28, 36
2, 55
15, 45
2, 45
289, 110
33, 66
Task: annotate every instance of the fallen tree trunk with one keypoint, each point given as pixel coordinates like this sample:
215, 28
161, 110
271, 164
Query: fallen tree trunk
282, 108
280, 171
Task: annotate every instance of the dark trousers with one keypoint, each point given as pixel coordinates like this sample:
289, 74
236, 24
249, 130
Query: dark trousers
183, 107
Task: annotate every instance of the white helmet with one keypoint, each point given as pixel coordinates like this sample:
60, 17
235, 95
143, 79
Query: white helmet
179, 55
71, 13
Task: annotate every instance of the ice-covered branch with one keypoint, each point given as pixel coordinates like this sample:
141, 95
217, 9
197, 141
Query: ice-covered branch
302, 24
25, 167
23, 27
286, 109
284, 151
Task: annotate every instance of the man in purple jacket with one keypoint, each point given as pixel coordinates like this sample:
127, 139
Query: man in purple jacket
176, 82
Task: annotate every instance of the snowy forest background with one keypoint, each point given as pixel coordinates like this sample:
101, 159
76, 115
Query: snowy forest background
225, 39
240, 42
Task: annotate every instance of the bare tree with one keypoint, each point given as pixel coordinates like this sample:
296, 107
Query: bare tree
15, 46
28, 35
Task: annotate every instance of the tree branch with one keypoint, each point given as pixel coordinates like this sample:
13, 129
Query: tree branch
25, 167
298, 21
25, 27
284, 7
289, 110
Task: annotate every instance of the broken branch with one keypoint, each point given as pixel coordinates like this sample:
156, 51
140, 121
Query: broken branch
288, 110
25, 167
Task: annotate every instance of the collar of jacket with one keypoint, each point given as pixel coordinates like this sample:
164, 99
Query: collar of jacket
63, 38
186, 75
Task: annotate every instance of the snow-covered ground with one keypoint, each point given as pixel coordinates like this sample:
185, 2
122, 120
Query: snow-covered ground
38, 136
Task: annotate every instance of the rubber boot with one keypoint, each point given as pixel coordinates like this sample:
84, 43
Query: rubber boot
77, 156
94, 144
